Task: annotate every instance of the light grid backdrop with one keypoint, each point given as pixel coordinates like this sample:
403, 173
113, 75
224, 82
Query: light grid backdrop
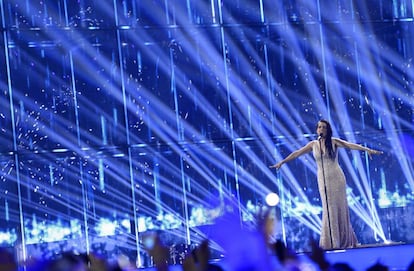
122, 117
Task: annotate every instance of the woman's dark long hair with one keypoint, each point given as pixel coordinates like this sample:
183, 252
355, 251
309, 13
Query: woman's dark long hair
328, 139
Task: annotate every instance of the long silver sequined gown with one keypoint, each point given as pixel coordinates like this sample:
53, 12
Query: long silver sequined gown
343, 235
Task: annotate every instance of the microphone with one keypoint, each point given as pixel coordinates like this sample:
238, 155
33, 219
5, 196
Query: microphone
320, 136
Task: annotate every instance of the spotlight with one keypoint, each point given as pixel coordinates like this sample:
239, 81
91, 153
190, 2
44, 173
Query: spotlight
272, 199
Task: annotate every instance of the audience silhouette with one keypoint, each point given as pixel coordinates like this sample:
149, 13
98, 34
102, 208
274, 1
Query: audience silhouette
251, 252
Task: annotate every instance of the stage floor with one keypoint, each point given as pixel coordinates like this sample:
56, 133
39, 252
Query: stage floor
397, 257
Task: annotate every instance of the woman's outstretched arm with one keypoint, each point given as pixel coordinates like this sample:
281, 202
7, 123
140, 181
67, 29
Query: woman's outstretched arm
353, 146
305, 149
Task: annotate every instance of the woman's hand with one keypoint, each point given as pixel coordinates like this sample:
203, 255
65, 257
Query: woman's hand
276, 166
371, 152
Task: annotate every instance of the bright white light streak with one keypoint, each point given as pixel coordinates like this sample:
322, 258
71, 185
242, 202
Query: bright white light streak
101, 170
103, 131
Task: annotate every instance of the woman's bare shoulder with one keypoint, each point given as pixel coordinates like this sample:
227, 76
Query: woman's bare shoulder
311, 143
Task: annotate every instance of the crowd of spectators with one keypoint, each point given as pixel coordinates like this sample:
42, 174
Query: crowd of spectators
245, 250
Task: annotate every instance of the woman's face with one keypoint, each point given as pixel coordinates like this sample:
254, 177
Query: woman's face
322, 129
